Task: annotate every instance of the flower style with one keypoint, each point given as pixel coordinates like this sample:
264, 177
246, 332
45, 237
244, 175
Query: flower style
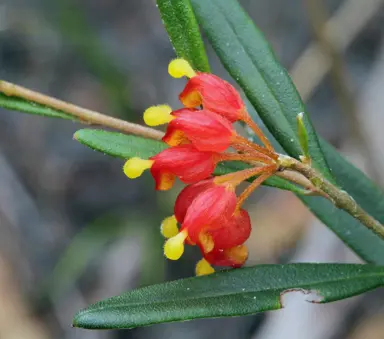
207, 213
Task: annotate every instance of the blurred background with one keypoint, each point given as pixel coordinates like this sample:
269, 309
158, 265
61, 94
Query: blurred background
74, 230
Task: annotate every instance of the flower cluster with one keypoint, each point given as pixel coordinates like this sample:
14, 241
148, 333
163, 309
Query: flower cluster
199, 136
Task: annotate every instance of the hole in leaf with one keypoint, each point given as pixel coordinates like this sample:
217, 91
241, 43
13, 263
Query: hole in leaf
299, 294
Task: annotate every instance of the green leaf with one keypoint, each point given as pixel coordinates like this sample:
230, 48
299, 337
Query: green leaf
366, 193
303, 135
250, 60
234, 293
128, 146
248, 57
119, 145
21, 105
183, 30
366, 244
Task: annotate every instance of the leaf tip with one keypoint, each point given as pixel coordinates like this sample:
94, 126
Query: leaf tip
83, 319
77, 135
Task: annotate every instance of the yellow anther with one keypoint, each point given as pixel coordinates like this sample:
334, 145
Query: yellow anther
174, 247
135, 167
206, 242
157, 115
178, 68
169, 227
203, 267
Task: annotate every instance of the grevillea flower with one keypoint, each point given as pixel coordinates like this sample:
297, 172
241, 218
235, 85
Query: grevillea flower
233, 231
211, 222
205, 130
185, 162
187, 195
207, 212
213, 94
208, 90
212, 206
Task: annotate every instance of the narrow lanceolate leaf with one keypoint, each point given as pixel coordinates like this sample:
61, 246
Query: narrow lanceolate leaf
128, 146
234, 293
366, 193
303, 135
119, 145
368, 245
249, 59
183, 30
21, 105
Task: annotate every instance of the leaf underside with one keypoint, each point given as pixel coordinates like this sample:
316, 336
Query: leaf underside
18, 104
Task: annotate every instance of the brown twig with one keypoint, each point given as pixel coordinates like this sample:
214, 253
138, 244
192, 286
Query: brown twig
85, 115
340, 198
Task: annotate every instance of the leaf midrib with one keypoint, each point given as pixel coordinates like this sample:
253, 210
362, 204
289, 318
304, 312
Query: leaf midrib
276, 289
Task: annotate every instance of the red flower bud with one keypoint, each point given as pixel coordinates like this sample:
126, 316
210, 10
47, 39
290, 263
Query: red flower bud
233, 232
187, 195
211, 207
185, 162
207, 131
233, 257
214, 94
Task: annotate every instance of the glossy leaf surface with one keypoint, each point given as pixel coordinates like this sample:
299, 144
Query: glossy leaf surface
234, 293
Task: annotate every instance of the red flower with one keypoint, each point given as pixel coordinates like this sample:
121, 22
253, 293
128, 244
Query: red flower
207, 212
230, 257
215, 95
232, 232
206, 130
187, 195
185, 162
208, 209
211, 207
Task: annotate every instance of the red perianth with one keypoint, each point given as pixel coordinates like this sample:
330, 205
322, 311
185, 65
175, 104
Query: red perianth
215, 95
185, 162
235, 231
187, 195
206, 130
213, 206
231, 257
